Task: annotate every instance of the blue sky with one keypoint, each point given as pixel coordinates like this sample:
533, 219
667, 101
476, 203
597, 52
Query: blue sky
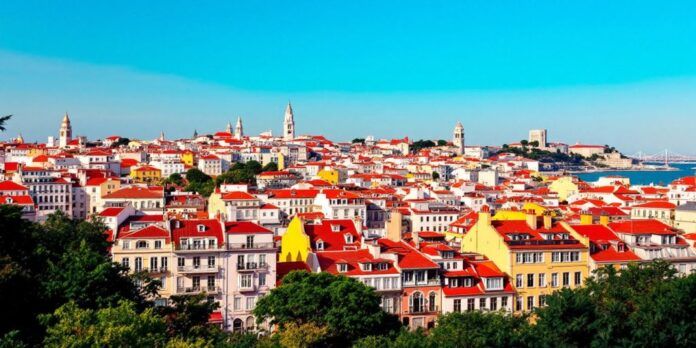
619, 72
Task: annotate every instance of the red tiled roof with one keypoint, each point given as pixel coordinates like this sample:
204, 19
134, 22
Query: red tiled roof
245, 227
110, 212
11, 186
650, 226
148, 232
134, 193
189, 228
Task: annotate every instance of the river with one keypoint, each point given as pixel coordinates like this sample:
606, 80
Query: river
645, 177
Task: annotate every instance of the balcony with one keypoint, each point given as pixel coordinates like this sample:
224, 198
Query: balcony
422, 309
428, 282
252, 266
247, 288
250, 246
544, 242
152, 270
197, 247
191, 290
199, 269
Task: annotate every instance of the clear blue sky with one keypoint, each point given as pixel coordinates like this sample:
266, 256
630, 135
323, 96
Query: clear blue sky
619, 72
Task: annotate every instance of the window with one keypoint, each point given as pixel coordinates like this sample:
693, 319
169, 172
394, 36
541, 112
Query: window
196, 281
457, 306
420, 276
196, 262
416, 302
518, 303
343, 267
164, 262
470, 304
262, 279
503, 302
494, 283
211, 261
158, 244
237, 303
530, 303
554, 280
482, 303
201, 228
125, 262
138, 264
250, 241
153, 263
432, 302
141, 244
578, 278
530, 280
542, 300
566, 278
565, 256
180, 262
250, 302
494, 303
320, 245
518, 281
542, 280
245, 280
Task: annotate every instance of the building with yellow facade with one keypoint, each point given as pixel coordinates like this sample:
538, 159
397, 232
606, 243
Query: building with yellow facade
295, 244
565, 187
188, 158
146, 174
538, 210
540, 258
332, 176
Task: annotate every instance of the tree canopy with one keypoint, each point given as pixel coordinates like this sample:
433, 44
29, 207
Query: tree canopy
347, 308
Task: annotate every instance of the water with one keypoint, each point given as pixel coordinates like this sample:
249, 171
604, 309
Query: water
645, 177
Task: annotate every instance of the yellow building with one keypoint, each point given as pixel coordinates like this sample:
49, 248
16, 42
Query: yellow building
188, 158
539, 258
564, 187
295, 244
36, 151
146, 174
332, 176
538, 210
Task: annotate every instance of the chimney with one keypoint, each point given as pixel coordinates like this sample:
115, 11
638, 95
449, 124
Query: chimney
547, 220
394, 227
358, 222
531, 219
585, 218
416, 239
484, 215
604, 219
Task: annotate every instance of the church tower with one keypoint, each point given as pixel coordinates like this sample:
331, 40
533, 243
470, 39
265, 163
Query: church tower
458, 138
228, 129
239, 129
65, 131
289, 124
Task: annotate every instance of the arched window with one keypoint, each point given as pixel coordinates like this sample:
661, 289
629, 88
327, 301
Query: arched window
250, 324
432, 302
415, 302
237, 325
141, 244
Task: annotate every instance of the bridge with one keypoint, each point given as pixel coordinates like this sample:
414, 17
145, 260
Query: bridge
665, 156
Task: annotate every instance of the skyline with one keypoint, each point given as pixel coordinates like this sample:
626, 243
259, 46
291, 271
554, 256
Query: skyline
585, 75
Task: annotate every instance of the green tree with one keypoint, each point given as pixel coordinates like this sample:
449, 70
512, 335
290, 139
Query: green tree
479, 329
195, 175
534, 143
302, 335
253, 167
441, 142
120, 326
175, 179
187, 316
349, 309
358, 141
270, 167
3, 120
435, 175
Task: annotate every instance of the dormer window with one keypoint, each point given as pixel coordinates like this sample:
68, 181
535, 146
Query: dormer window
621, 247
494, 283
366, 266
343, 267
335, 228
319, 245
201, 228
348, 237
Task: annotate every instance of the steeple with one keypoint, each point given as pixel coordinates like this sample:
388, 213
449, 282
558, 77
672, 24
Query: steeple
289, 123
195, 133
458, 138
65, 132
161, 137
229, 128
239, 129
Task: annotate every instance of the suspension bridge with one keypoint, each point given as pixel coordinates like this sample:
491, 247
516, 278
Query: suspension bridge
665, 156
